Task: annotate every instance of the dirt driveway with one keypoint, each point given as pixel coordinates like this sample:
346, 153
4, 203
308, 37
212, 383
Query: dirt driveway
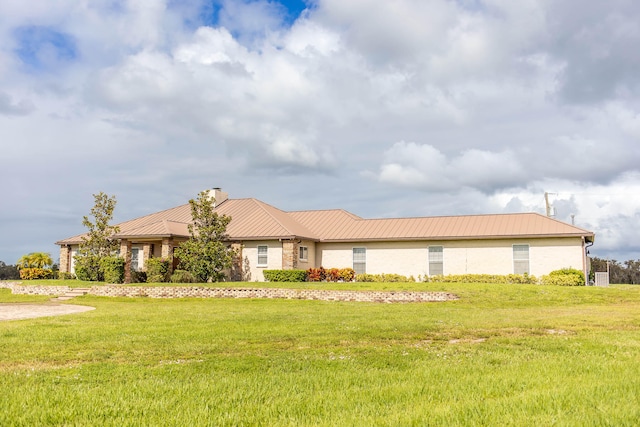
17, 311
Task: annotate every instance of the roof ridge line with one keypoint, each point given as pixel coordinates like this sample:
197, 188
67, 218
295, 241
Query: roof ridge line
261, 204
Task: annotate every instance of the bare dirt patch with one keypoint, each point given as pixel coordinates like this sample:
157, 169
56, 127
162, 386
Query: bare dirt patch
30, 311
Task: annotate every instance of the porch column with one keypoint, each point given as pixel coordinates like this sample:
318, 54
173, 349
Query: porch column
65, 260
146, 254
125, 253
167, 251
290, 254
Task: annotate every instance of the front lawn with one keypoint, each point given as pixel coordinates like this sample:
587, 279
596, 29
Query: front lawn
520, 355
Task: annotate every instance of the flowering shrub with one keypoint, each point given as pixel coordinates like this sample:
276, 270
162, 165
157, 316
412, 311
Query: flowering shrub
321, 274
333, 275
35, 273
316, 274
347, 274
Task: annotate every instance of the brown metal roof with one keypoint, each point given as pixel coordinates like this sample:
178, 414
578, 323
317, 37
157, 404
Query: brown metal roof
252, 219
444, 228
164, 228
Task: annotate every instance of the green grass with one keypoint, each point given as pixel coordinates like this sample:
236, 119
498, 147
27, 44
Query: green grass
7, 296
501, 355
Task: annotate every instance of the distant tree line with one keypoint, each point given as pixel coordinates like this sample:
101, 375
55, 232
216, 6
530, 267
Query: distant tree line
627, 272
8, 272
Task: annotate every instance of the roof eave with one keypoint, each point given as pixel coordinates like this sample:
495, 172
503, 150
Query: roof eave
427, 238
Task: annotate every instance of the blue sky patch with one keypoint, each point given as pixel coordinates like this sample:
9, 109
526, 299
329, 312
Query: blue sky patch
294, 8
211, 8
42, 48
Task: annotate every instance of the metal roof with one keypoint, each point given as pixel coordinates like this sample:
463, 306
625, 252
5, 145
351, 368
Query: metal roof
252, 219
438, 228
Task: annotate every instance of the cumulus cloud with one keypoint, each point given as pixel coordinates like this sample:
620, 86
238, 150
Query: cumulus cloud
426, 168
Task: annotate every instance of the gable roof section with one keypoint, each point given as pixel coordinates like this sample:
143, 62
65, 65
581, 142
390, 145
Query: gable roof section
252, 219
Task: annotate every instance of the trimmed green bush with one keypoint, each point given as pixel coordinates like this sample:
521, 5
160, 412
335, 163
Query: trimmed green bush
112, 269
285, 275
88, 268
394, 278
158, 270
564, 277
483, 278
182, 276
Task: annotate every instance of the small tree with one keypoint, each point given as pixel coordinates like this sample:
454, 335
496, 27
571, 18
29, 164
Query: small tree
99, 242
34, 266
205, 255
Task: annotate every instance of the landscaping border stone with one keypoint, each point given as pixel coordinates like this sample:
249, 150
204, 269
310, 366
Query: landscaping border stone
249, 292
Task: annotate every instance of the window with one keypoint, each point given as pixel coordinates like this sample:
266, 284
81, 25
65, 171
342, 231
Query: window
262, 255
72, 264
135, 259
360, 260
304, 253
436, 258
521, 259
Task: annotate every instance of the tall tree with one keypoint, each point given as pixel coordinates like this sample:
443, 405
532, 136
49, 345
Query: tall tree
98, 242
206, 255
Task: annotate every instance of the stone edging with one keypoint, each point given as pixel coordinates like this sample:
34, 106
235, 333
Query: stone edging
205, 292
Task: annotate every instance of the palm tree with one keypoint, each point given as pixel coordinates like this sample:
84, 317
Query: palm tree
35, 260
24, 261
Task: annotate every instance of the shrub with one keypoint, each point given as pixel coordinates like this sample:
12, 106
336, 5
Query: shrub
182, 276
484, 278
333, 275
112, 269
564, 277
63, 275
347, 274
35, 273
138, 277
396, 278
88, 268
285, 275
316, 274
158, 270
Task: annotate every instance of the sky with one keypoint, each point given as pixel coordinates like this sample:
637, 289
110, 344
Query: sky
383, 108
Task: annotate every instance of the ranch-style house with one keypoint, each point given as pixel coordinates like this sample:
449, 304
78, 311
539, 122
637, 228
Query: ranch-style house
266, 237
